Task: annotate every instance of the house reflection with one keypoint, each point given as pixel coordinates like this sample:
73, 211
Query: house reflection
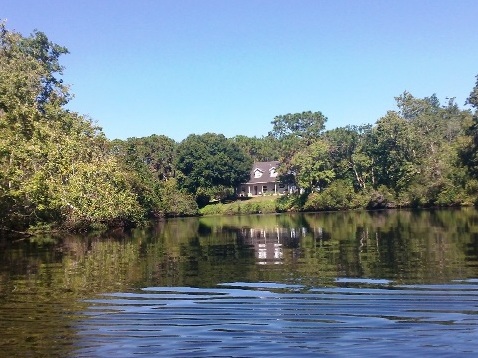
269, 244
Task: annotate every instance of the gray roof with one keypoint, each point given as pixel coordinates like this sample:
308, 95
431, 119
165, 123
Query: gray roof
265, 169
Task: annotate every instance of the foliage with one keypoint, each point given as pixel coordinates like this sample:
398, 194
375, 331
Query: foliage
55, 164
381, 198
311, 167
469, 152
294, 132
262, 205
174, 202
349, 153
306, 125
340, 195
263, 149
211, 166
291, 202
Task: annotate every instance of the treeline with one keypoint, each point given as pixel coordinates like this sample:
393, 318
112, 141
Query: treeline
58, 170
422, 154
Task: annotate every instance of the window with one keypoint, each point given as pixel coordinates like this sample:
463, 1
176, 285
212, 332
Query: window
264, 188
257, 173
272, 172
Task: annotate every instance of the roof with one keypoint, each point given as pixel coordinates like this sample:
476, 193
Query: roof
263, 172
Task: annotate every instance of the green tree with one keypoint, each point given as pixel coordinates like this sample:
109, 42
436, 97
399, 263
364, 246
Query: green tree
415, 150
311, 167
294, 132
469, 154
56, 167
393, 152
263, 149
149, 162
349, 154
306, 126
211, 166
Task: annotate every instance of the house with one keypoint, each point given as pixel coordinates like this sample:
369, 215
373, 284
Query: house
263, 181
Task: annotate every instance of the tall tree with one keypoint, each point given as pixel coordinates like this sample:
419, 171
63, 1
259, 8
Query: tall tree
349, 153
305, 126
470, 152
294, 132
211, 165
55, 164
263, 149
311, 167
394, 152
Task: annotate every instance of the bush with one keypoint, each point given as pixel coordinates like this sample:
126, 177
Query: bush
340, 195
381, 198
450, 196
290, 202
261, 205
175, 202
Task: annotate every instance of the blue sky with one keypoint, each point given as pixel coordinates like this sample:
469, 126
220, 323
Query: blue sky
177, 67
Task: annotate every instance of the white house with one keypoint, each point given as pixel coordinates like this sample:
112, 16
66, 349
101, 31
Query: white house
263, 181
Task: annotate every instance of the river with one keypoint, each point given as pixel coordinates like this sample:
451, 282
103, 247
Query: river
385, 283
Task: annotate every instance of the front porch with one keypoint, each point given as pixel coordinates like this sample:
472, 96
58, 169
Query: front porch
258, 189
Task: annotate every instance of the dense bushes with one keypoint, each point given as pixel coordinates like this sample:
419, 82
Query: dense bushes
339, 195
261, 205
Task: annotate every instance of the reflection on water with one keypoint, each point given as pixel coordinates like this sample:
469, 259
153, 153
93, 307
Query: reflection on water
298, 276
269, 244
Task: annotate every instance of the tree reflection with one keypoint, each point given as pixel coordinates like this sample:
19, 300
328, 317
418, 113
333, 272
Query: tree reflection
43, 283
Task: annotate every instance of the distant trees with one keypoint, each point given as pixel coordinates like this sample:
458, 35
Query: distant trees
470, 152
305, 126
58, 169
211, 166
264, 149
311, 167
150, 164
350, 156
410, 157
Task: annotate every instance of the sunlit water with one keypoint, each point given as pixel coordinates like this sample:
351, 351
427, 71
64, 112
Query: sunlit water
362, 284
251, 320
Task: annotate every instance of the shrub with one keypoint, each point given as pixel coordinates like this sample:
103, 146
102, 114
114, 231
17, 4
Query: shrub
339, 195
381, 198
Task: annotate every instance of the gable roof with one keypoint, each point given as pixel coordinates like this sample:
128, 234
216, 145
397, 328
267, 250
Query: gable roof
266, 169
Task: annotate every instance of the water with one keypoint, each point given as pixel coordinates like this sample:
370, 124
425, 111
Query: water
241, 319
340, 284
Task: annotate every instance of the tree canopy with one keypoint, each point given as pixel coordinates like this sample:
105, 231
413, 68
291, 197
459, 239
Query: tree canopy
212, 165
55, 163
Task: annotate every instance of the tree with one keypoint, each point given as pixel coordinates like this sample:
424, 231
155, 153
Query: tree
415, 150
349, 154
473, 97
470, 152
311, 167
211, 165
263, 149
393, 152
56, 167
156, 152
294, 132
306, 126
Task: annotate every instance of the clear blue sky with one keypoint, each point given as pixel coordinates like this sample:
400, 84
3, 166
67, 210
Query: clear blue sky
177, 67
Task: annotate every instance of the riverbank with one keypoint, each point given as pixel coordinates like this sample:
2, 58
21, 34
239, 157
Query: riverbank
253, 205
329, 200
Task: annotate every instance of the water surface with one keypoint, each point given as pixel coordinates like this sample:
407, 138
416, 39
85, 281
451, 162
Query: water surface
387, 283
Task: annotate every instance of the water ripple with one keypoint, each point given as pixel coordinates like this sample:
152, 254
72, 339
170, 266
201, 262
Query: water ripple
248, 320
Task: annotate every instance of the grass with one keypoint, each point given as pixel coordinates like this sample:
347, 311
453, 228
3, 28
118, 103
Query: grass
254, 205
